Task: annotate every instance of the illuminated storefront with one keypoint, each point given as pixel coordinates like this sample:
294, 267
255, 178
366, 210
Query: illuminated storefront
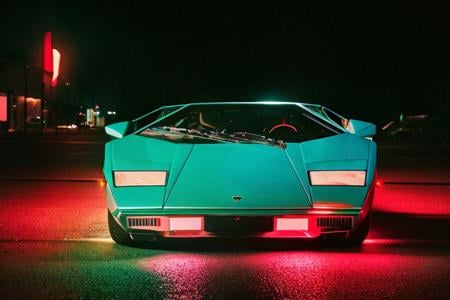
20, 81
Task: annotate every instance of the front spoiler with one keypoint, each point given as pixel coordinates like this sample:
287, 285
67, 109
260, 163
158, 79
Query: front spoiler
313, 227
143, 237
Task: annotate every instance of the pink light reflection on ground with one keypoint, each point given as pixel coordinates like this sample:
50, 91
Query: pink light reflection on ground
413, 199
54, 210
303, 274
191, 270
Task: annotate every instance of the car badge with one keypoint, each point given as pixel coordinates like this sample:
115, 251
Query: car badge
236, 198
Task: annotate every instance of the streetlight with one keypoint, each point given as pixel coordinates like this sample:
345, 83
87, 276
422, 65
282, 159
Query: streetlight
67, 84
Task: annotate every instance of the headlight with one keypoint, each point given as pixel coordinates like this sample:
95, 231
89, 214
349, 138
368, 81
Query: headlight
140, 178
352, 178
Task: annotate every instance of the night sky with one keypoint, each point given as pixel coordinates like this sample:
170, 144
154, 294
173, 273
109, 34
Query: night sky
366, 60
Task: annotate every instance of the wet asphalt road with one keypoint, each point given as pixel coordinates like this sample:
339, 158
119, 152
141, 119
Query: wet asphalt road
54, 241
94, 269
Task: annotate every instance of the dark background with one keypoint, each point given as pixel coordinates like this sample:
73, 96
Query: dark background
365, 59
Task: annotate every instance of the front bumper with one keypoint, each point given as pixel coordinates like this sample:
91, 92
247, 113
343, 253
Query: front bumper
305, 225
148, 224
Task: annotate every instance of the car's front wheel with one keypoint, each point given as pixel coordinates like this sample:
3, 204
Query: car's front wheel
359, 234
354, 238
118, 234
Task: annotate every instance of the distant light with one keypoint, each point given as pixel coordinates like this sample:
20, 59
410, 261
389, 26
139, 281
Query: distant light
96, 113
111, 112
417, 117
71, 126
56, 64
3, 108
387, 125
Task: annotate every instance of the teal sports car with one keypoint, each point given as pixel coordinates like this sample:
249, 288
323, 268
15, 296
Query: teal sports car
240, 169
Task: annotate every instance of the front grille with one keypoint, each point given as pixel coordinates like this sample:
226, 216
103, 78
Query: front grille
139, 222
335, 222
238, 224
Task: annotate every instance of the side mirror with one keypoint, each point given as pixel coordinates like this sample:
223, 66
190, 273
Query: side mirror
360, 128
117, 130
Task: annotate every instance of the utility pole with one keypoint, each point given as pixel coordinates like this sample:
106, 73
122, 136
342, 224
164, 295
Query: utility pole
56, 113
25, 96
42, 103
67, 103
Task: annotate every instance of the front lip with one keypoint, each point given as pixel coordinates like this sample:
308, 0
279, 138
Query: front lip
205, 235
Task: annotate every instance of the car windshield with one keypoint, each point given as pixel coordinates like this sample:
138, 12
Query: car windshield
244, 122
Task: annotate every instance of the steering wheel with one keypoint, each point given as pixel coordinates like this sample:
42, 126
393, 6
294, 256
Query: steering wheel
283, 125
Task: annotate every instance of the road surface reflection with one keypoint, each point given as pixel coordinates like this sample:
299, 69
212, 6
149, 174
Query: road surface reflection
308, 274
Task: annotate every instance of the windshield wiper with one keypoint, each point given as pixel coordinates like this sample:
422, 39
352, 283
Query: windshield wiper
202, 133
235, 137
257, 137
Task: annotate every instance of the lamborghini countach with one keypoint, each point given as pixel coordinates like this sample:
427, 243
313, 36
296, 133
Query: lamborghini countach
240, 169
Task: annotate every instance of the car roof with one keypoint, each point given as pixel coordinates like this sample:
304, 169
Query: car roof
245, 103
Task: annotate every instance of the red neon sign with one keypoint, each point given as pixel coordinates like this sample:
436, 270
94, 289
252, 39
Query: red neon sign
56, 64
3, 108
51, 62
47, 59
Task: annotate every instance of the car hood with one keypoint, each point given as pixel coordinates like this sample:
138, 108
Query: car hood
237, 176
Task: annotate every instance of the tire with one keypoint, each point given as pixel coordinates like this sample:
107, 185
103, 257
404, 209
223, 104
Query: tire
118, 234
359, 235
